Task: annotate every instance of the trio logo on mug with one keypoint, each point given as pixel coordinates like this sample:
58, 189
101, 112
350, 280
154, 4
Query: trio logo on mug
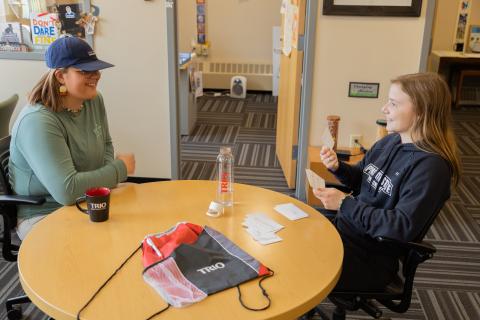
98, 206
98, 202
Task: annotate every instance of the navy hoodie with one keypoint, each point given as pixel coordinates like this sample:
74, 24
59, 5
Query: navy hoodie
397, 191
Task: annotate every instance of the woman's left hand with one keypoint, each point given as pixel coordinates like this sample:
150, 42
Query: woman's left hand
330, 197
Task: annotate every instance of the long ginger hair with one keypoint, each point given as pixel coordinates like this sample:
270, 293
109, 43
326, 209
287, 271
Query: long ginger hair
432, 131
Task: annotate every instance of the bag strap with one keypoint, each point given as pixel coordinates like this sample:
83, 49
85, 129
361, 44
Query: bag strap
264, 292
157, 313
105, 283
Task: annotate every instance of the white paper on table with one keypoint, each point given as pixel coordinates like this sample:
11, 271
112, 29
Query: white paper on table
327, 139
314, 179
291, 211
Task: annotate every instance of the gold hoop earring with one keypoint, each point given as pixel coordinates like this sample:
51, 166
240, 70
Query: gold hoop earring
62, 90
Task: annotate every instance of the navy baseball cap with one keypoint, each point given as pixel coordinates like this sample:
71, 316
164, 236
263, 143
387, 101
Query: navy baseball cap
73, 52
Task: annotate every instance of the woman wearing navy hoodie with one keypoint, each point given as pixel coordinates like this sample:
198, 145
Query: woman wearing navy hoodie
400, 185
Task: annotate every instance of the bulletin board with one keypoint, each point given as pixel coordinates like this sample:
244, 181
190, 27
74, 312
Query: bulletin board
27, 27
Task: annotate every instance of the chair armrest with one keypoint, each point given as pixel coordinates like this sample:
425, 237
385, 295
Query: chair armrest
338, 186
421, 247
16, 199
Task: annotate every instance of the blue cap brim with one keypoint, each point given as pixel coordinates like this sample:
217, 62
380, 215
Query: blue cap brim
93, 65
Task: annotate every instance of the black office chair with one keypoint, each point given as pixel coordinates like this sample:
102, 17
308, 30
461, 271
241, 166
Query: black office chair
398, 294
6, 109
8, 203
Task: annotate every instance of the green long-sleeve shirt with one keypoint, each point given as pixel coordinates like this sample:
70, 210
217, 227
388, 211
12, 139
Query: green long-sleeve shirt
59, 155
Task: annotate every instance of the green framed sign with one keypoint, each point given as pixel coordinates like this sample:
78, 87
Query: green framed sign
363, 89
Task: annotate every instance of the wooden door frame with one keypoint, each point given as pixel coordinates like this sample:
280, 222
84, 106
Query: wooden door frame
306, 95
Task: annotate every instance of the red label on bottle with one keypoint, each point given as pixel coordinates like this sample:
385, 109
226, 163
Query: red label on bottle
224, 182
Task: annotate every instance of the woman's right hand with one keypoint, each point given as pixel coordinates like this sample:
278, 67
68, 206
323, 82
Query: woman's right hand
329, 158
129, 160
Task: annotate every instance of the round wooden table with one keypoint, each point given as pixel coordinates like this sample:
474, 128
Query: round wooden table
65, 258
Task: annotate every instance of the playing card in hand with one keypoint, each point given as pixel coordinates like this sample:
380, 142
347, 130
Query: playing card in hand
314, 179
327, 139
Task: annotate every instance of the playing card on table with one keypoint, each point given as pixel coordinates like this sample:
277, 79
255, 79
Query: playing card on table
262, 228
327, 139
290, 211
314, 179
263, 238
262, 223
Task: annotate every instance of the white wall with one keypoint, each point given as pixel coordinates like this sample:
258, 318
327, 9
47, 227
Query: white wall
364, 49
135, 90
239, 30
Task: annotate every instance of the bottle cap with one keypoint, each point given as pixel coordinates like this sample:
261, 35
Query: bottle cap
225, 150
215, 209
333, 118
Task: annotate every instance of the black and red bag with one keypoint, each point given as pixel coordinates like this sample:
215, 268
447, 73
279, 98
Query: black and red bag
189, 262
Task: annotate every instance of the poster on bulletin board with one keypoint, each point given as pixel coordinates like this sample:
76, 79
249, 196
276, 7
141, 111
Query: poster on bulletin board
44, 28
295, 24
288, 25
10, 32
69, 14
201, 21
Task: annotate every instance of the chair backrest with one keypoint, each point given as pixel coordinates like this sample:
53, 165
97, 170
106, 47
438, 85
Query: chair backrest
9, 202
412, 259
7, 211
4, 158
6, 110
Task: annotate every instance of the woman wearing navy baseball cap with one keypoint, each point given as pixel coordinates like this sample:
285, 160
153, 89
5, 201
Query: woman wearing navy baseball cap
61, 145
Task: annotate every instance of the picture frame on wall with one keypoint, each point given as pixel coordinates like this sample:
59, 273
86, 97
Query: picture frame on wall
474, 39
380, 8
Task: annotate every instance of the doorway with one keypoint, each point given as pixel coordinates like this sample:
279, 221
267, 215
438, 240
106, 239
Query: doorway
248, 124
453, 53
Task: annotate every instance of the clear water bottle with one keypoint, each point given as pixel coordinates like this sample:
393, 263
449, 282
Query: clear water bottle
225, 177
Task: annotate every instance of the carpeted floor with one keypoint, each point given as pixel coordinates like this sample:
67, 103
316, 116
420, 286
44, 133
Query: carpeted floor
446, 288
248, 126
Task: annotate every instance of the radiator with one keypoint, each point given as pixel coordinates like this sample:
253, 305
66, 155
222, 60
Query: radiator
217, 75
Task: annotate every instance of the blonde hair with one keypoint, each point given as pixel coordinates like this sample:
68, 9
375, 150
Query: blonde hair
432, 130
46, 92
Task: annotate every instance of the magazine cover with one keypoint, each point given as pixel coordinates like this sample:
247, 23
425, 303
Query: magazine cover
69, 14
10, 33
